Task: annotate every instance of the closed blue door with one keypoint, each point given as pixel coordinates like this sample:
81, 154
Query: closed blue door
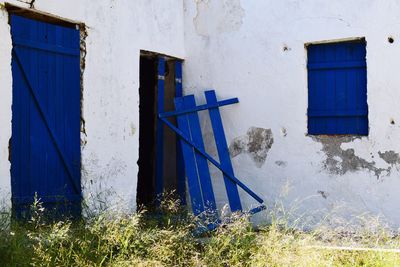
45, 144
337, 88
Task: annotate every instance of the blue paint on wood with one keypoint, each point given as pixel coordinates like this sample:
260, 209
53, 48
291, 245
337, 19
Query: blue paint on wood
196, 197
202, 164
159, 184
199, 108
257, 209
223, 152
337, 89
185, 138
180, 167
45, 146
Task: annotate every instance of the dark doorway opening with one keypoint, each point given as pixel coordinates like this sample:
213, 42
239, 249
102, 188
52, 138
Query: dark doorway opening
146, 190
147, 128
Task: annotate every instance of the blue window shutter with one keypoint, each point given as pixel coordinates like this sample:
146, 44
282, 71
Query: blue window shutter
337, 88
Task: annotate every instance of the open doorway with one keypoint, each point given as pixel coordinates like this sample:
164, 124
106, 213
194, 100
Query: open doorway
148, 111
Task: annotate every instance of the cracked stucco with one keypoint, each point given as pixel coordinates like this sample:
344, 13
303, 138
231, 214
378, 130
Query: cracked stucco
340, 161
390, 157
257, 142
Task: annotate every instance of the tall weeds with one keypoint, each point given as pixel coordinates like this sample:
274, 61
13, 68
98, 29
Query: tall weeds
170, 238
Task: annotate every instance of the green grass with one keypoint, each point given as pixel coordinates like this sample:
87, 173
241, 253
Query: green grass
111, 239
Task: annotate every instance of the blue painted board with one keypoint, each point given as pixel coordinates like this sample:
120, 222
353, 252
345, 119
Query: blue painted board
223, 152
199, 108
45, 145
180, 167
159, 173
202, 164
337, 88
185, 138
194, 187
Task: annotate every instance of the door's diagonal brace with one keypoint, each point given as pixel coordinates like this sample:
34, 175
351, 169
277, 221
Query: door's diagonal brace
213, 161
53, 136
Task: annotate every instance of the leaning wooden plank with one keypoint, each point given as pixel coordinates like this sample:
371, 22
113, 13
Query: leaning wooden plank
180, 168
202, 164
213, 161
223, 152
190, 162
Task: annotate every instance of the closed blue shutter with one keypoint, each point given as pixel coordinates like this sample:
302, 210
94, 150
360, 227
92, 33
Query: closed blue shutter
45, 147
337, 88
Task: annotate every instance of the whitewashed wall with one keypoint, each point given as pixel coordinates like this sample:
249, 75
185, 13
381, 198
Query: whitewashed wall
255, 50
117, 31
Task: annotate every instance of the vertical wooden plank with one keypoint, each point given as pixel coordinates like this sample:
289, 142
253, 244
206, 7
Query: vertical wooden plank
160, 129
72, 113
363, 126
342, 89
202, 164
51, 90
61, 106
223, 152
43, 185
71, 120
190, 162
36, 123
20, 102
180, 167
327, 90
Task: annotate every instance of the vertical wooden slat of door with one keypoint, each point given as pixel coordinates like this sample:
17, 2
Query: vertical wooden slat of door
61, 106
19, 112
159, 185
71, 82
45, 184
190, 161
36, 134
223, 152
54, 187
202, 164
76, 106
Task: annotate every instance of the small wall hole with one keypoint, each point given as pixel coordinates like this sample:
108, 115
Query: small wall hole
392, 121
286, 48
390, 40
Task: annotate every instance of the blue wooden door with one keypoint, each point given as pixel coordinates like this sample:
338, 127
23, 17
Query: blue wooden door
45, 146
337, 88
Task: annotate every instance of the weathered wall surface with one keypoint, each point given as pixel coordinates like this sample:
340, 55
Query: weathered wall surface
116, 32
255, 50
